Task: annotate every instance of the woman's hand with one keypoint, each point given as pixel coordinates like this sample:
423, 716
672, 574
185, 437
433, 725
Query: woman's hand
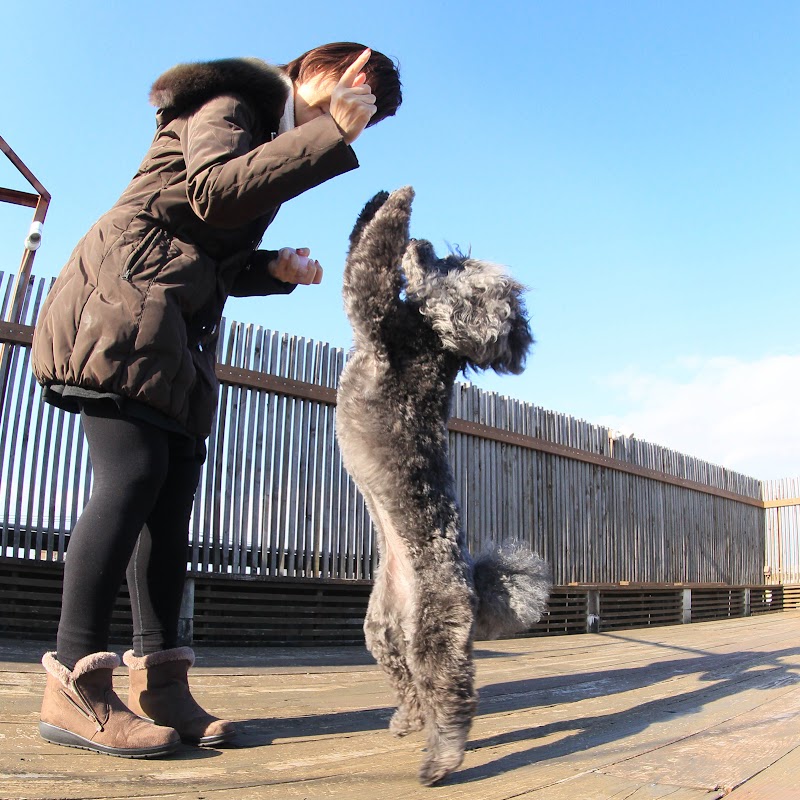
295, 266
352, 102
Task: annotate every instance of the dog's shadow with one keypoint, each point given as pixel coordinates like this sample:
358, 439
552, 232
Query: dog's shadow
259, 732
723, 676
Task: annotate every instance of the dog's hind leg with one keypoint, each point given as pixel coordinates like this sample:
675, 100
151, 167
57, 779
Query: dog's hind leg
384, 628
442, 657
386, 642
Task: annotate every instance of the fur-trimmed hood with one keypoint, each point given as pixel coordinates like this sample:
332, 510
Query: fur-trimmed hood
185, 87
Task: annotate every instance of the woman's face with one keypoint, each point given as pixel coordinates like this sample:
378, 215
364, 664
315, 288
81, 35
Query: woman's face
312, 97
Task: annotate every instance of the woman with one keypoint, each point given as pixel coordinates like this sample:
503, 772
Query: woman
127, 338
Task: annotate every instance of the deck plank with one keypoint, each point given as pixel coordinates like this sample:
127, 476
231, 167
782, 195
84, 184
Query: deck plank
724, 755
684, 712
781, 781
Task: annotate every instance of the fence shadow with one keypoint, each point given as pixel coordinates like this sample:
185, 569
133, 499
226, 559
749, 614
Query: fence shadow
724, 675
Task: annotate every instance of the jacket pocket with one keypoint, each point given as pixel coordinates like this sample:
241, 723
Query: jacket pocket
140, 253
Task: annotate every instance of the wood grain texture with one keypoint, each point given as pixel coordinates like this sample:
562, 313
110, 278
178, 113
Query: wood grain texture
684, 712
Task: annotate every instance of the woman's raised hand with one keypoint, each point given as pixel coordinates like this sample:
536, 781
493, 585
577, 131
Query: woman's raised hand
352, 102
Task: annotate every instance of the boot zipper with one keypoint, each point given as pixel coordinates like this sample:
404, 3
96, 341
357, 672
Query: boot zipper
86, 711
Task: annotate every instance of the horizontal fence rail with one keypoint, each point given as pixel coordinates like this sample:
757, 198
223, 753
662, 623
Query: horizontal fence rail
274, 500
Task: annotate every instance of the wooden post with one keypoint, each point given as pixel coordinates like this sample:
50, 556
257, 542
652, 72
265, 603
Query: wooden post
593, 611
747, 601
687, 606
186, 619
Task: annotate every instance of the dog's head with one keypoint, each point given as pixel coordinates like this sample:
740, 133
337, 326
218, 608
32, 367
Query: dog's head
475, 306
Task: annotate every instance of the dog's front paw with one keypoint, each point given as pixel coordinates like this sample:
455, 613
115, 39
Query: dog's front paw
404, 722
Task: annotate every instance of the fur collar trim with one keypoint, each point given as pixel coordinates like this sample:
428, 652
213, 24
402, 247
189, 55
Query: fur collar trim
185, 87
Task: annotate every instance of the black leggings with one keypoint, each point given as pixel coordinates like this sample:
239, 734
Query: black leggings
144, 480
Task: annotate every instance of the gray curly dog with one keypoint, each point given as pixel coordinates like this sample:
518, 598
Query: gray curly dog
419, 320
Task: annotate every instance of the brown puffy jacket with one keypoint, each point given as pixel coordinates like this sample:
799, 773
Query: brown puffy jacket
134, 312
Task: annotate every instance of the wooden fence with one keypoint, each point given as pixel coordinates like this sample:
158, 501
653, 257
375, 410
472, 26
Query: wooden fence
274, 500
782, 531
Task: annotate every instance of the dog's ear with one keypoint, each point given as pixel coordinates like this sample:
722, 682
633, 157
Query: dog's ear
520, 340
479, 313
380, 235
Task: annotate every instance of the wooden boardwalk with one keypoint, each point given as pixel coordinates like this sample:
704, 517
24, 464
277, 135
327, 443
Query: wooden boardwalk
687, 712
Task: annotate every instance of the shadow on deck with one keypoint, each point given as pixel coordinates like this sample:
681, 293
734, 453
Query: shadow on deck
698, 711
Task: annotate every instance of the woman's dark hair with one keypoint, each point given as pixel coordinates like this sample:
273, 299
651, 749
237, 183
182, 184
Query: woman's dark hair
382, 73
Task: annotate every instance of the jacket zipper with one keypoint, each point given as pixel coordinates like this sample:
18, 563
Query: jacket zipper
139, 254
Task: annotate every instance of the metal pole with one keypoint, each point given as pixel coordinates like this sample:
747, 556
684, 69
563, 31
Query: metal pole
40, 211
26, 266
40, 205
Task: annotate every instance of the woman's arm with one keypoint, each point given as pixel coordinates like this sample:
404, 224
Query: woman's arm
256, 280
229, 184
277, 272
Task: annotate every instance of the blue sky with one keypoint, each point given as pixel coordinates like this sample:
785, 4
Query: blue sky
634, 163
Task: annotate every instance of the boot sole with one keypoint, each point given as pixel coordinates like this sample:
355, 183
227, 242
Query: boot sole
54, 735
211, 741
205, 741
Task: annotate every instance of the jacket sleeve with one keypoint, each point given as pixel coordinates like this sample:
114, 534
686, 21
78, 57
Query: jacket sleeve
229, 184
255, 278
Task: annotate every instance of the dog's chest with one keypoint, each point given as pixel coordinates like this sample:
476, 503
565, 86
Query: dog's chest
395, 380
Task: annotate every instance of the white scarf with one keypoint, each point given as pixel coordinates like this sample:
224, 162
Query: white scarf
287, 120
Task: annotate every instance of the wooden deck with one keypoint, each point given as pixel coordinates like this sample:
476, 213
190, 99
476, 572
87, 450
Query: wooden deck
686, 712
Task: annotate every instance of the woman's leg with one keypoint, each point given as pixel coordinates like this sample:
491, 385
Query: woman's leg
158, 668
129, 463
157, 571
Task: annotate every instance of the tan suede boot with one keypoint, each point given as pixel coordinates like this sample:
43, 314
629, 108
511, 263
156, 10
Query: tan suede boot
81, 709
159, 690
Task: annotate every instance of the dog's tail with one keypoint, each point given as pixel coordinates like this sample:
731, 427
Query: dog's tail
513, 585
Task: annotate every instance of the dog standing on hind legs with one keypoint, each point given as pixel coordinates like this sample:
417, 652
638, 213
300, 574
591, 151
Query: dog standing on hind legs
418, 321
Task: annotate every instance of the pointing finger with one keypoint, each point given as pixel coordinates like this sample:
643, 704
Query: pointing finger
350, 75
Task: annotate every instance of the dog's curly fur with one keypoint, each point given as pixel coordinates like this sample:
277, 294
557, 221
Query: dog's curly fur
418, 321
